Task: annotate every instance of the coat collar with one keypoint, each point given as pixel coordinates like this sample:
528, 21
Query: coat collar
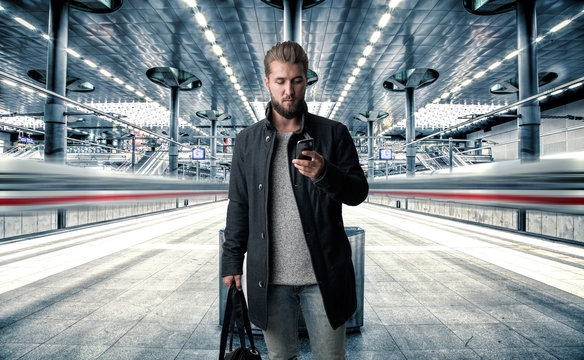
301, 129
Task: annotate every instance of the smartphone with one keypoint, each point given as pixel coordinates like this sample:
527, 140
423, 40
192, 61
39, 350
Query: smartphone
304, 144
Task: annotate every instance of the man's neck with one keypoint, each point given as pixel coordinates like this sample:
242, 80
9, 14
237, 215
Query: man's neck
283, 124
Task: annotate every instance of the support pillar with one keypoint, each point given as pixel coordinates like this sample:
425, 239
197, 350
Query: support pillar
408, 81
55, 121
173, 133
371, 162
293, 20
213, 148
530, 117
176, 80
410, 133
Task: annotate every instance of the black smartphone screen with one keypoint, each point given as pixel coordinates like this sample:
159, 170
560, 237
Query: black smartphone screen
304, 144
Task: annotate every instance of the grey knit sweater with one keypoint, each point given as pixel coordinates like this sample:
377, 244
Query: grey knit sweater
290, 262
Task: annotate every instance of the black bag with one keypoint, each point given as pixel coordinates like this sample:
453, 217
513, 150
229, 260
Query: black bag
236, 312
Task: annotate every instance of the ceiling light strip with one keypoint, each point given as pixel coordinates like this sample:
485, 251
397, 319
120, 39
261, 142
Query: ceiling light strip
514, 53
70, 51
373, 39
218, 51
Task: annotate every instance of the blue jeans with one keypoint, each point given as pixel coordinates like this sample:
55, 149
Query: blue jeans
281, 335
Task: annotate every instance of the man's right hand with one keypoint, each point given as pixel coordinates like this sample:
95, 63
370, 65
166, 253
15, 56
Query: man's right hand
229, 279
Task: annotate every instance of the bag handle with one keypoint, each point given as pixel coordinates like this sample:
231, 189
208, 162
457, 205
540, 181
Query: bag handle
226, 324
246, 322
235, 295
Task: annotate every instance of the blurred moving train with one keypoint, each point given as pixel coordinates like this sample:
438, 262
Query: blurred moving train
552, 184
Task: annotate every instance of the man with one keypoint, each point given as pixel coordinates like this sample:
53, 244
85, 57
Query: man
286, 213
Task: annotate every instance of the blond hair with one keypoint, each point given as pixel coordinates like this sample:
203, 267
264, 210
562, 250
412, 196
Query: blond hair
287, 52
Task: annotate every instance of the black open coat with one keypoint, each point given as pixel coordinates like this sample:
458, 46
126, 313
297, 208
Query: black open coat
320, 205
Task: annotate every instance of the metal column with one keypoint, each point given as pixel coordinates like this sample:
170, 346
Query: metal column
530, 120
293, 20
173, 133
410, 132
371, 163
213, 145
55, 121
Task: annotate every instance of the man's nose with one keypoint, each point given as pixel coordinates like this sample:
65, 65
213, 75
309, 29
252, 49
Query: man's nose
288, 88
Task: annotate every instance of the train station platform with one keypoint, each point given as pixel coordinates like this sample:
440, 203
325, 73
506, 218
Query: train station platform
147, 288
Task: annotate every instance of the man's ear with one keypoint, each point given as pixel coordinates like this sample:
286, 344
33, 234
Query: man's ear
266, 84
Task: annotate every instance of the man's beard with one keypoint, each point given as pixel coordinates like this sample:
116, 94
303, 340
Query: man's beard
289, 113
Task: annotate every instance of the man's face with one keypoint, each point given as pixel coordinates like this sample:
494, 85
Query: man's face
287, 85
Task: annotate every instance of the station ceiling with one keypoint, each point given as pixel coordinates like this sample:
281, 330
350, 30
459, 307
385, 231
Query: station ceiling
436, 34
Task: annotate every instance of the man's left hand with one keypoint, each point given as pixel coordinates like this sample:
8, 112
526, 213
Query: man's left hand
312, 168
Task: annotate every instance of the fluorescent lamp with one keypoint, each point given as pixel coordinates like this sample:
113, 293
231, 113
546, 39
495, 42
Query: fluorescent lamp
465, 82
394, 3
557, 92
340, 100
384, 20
73, 52
495, 65
140, 93
210, 36
456, 89
445, 95
347, 87
217, 50
130, 87
368, 49
344, 93
223, 61
512, 54
28, 90
233, 79
351, 79
375, 36
541, 98
479, 74
575, 85
24, 23
539, 38
240, 92
105, 72
561, 25
356, 71
41, 94
191, 3
229, 70
361, 62
46, 37
90, 63
201, 19
244, 98
9, 82
237, 86
118, 80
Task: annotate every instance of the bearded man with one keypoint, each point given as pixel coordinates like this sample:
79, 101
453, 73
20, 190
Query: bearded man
286, 214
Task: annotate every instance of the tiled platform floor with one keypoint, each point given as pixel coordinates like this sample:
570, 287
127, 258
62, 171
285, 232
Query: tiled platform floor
148, 289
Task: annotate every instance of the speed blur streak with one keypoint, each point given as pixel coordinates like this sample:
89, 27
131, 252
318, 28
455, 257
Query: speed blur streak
552, 184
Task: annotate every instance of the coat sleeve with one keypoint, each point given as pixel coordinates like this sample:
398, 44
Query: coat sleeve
343, 179
237, 225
